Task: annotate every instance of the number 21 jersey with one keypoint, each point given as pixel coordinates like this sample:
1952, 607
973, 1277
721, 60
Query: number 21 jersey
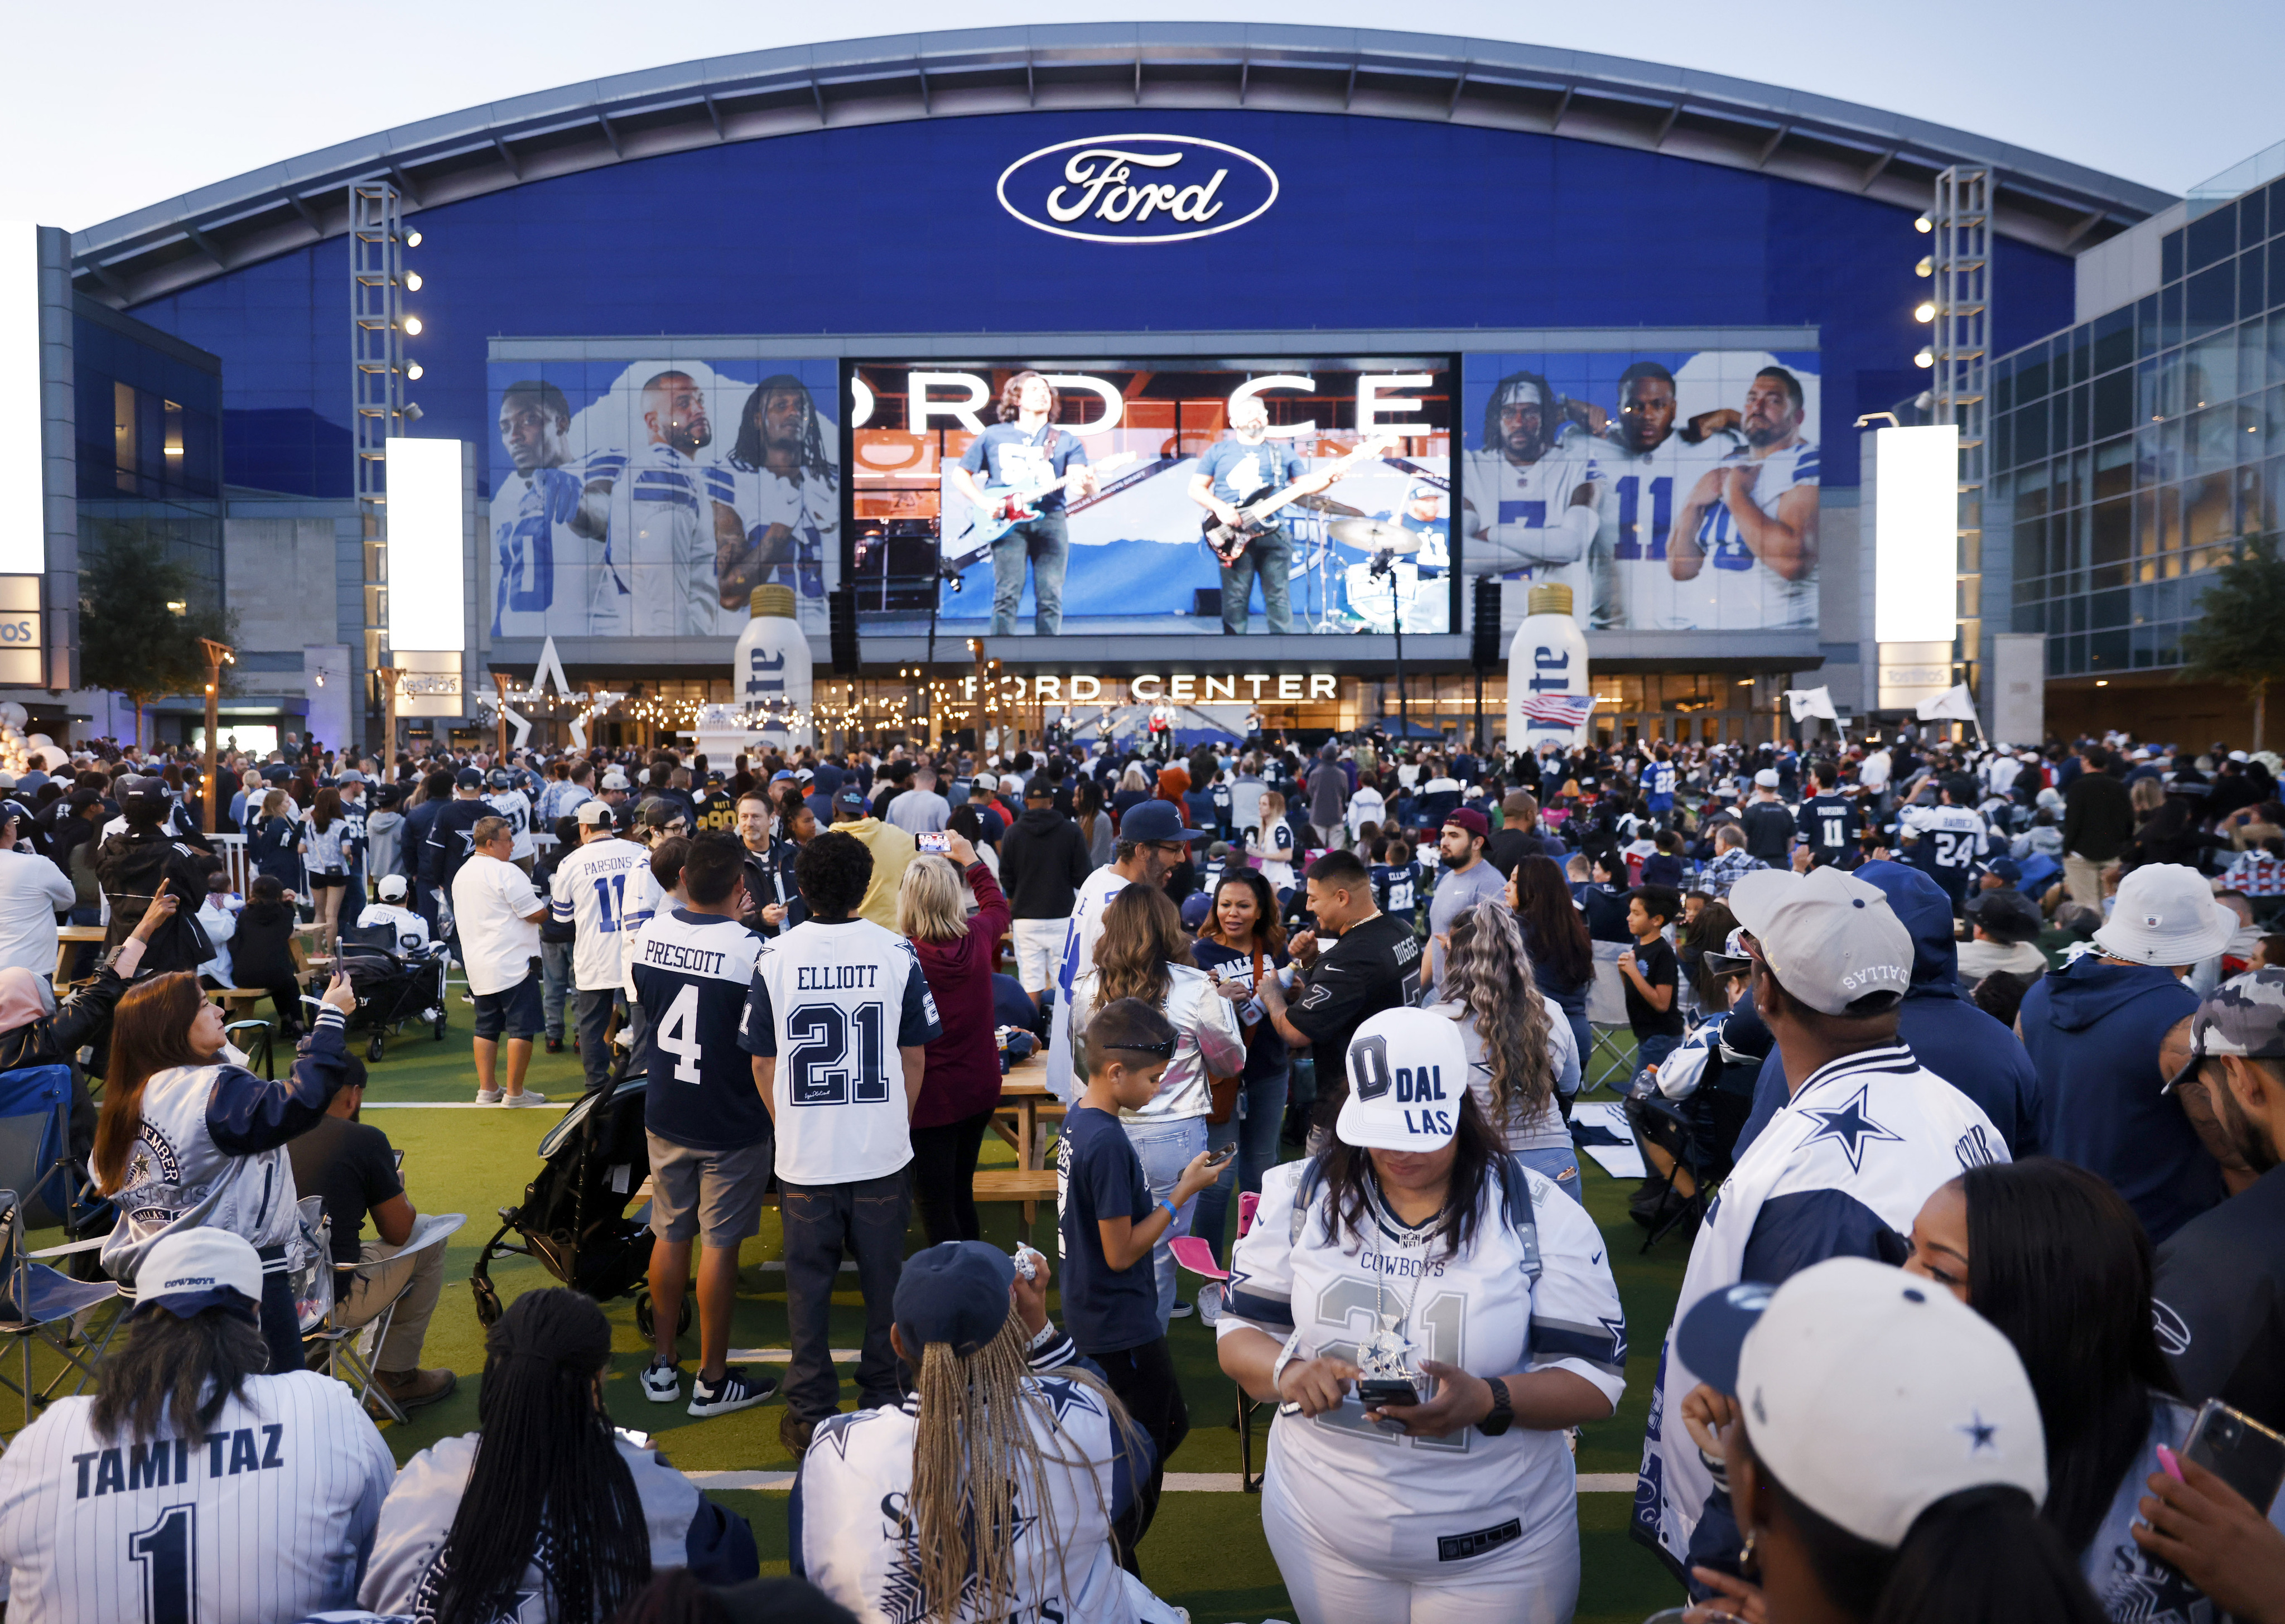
835, 1004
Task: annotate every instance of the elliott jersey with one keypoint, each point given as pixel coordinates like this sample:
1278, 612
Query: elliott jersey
1533, 1291
836, 1004
809, 507
1637, 494
515, 806
1509, 512
661, 580
690, 972
531, 530
1733, 590
270, 1518
605, 892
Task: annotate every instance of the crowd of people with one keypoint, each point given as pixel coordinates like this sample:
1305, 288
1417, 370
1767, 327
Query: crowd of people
1960, 1070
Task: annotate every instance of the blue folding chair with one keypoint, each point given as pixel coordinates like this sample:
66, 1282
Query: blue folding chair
38, 1300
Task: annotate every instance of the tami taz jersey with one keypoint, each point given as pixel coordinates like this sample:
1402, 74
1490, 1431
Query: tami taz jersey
1637, 494
270, 1518
1841, 1172
661, 579
1733, 590
1511, 510
690, 972
1533, 1291
605, 892
836, 1005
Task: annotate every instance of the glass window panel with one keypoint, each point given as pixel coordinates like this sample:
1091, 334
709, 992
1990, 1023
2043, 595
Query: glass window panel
2272, 516
2209, 371
2276, 293
2113, 396
2106, 651
2212, 299
2145, 326
2111, 541
2212, 238
2253, 291
2032, 376
2114, 340
2114, 469
2170, 257
2252, 217
2210, 521
2252, 356
2170, 316
2170, 518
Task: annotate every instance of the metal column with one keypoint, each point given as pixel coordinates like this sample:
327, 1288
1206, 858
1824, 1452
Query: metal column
1961, 346
377, 382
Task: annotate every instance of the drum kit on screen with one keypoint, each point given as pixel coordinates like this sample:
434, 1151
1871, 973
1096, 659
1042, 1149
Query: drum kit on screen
1389, 580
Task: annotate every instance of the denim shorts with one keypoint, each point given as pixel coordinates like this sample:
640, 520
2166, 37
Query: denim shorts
516, 1011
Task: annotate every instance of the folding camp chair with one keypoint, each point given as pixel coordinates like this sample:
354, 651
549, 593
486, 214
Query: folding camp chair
1192, 1253
1612, 1065
38, 1300
351, 1350
1700, 1134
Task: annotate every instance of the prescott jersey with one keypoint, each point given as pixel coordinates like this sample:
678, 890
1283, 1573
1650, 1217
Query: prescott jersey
1638, 495
603, 890
808, 506
269, 1517
1829, 825
1949, 844
1734, 590
1079, 937
661, 582
532, 529
1841, 1172
690, 973
1533, 1291
1512, 508
837, 1004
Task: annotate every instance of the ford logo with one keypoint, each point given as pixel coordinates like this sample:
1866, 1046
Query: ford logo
1134, 189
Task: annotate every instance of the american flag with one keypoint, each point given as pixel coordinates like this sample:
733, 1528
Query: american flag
1563, 710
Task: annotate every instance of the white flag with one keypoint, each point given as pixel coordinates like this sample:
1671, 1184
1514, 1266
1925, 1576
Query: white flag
1955, 702
1807, 702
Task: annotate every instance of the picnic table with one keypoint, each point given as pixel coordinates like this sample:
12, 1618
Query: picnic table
1025, 1108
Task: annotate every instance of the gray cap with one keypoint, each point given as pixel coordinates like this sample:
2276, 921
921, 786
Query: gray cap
1831, 938
2245, 1015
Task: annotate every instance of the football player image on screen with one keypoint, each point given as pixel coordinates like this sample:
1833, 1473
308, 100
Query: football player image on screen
787, 495
1529, 496
671, 516
1646, 465
1747, 533
548, 508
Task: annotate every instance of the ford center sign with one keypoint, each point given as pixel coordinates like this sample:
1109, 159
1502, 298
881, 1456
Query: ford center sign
1134, 189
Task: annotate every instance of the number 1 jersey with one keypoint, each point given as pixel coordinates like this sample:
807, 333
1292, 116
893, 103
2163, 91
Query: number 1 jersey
835, 1004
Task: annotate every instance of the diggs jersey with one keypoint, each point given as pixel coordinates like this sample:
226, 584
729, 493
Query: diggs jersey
808, 506
1951, 843
270, 1518
1734, 590
532, 528
662, 581
1841, 1172
515, 806
591, 894
691, 972
835, 1004
1533, 1291
1079, 937
1509, 511
1639, 494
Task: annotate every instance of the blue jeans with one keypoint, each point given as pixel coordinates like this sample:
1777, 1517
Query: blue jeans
554, 986
1164, 1148
1046, 540
1654, 1048
1252, 1128
1559, 1163
1271, 557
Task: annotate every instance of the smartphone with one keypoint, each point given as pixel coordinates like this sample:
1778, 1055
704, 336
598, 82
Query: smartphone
933, 840
2239, 1451
1389, 1390
1220, 1159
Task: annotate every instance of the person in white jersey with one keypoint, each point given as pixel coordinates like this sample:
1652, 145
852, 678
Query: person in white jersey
591, 893
194, 1484
836, 1020
1746, 536
671, 517
511, 803
1529, 506
1646, 468
553, 509
1418, 1252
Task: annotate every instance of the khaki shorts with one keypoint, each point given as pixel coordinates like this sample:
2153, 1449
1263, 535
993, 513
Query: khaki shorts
714, 1195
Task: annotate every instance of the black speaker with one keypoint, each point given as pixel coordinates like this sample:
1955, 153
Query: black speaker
841, 612
1206, 603
1484, 643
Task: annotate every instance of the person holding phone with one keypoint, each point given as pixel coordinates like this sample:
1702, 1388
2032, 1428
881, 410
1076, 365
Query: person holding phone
1431, 1316
1242, 943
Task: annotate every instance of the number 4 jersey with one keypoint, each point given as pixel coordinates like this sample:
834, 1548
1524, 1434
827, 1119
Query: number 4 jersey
835, 1004
690, 973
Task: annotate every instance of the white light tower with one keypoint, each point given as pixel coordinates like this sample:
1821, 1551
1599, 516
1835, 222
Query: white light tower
377, 386
1960, 264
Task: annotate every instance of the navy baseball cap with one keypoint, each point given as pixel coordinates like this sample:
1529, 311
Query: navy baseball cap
852, 801
469, 778
954, 1293
1194, 908
2008, 868
1156, 820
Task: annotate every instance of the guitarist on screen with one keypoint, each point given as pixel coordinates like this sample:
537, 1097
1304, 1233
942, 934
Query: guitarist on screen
1234, 472
1025, 452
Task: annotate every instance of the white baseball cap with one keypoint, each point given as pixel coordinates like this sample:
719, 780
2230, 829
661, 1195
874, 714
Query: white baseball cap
1408, 1071
593, 813
1766, 778
1830, 937
392, 887
615, 780
1869, 1393
2165, 913
192, 1270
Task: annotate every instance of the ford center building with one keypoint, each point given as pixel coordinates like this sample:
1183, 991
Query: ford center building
982, 328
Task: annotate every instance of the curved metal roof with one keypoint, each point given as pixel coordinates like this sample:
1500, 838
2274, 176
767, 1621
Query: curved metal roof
1580, 95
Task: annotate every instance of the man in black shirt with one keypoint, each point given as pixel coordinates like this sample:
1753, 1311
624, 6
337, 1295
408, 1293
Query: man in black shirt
1768, 825
1374, 964
351, 1166
1518, 833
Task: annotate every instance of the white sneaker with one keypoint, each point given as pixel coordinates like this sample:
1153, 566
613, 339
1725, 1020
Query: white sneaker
487, 1096
1181, 1310
529, 1097
662, 1383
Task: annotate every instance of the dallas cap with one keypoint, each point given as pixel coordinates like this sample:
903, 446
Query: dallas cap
955, 1293
469, 778
1830, 937
1155, 820
192, 1270
1408, 1069
1766, 778
615, 780
1870, 1393
2165, 914
2245, 1016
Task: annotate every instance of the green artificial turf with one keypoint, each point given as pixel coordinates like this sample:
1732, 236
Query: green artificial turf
1204, 1551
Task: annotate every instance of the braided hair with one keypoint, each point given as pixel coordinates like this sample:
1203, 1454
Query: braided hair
548, 1483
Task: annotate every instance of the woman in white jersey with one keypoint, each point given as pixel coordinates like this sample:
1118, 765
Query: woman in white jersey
1520, 1051
1272, 845
1416, 1250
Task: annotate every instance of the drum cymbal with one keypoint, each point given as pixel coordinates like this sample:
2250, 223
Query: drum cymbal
1319, 502
1375, 535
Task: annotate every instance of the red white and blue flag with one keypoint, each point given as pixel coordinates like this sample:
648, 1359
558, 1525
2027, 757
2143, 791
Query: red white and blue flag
1563, 710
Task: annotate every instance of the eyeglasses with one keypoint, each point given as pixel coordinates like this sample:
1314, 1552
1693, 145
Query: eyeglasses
1172, 848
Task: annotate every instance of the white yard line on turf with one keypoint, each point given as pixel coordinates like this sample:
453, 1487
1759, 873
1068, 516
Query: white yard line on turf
1177, 1482
462, 1105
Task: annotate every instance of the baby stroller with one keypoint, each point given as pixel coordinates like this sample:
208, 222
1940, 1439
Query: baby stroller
393, 985
574, 1216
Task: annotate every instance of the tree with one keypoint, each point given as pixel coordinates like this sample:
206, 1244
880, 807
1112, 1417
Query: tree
2239, 637
132, 639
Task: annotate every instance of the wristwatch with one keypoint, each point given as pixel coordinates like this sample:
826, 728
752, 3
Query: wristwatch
1503, 1416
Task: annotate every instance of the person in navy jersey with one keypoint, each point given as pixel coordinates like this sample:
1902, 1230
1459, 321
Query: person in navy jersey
1829, 823
1241, 468
1026, 453
1949, 1034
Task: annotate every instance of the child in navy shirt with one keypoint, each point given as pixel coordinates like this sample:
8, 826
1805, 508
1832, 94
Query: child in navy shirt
1396, 877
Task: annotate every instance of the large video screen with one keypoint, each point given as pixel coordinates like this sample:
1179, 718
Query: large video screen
1189, 496
649, 498
1670, 490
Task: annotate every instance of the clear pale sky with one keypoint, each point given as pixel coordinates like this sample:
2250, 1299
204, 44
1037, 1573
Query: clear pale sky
113, 108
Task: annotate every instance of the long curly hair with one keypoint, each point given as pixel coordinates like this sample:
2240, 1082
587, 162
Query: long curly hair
1488, 974
1141, 937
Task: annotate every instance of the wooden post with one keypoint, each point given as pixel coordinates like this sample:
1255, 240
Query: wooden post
388, 675
218, 654
500, 687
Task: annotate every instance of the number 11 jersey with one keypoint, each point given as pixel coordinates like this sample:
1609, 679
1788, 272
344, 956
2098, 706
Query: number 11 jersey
835, 1004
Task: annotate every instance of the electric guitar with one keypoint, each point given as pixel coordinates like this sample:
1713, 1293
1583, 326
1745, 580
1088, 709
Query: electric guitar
1005, 507
1228, 541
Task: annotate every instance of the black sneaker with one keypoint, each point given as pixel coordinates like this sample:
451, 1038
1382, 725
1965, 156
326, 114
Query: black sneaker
555, 1046
739, 1389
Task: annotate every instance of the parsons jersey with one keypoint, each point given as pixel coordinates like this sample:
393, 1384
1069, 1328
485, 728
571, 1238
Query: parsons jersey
836, 1004
1830, 824
604, 891
1638, 495
270, 1518
661, 580
1509, 509
809, 507
1532, 1292
1734, 590
532, 529
690, 972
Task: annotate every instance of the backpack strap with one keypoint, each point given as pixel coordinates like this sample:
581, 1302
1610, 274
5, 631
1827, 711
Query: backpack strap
1516, 1212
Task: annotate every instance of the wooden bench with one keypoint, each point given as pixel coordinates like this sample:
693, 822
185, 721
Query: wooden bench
1027, 1185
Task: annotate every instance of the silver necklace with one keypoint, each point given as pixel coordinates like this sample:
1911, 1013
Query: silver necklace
1386, 1355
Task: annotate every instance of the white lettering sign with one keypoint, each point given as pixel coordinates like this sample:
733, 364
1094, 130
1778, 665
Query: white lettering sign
1137, 188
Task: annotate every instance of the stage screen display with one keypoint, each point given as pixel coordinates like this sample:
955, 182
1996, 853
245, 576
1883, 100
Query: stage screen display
1064, 498
649, 498
1671, 490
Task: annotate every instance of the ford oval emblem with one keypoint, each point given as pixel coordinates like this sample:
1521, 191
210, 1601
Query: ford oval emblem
1137, 189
